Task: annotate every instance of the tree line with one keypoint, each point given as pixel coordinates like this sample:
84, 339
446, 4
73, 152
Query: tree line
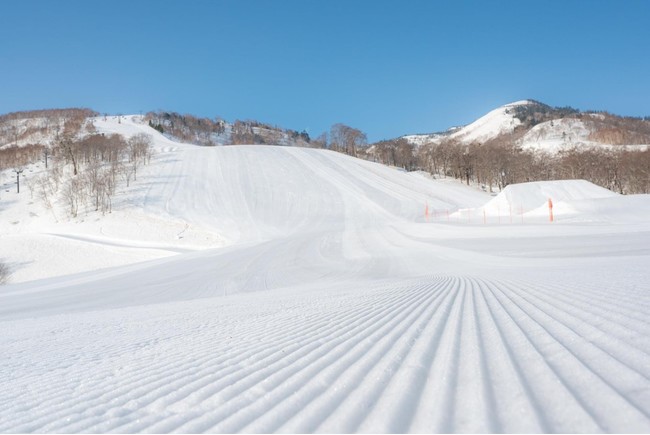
210, 132
20, 128
493, 164
501, 161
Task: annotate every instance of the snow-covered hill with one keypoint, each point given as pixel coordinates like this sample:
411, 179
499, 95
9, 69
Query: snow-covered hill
495, 123
300, 290
535, 126
42, 127
197, 197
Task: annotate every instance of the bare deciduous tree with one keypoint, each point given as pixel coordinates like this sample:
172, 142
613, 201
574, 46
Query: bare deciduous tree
347, 139
320, 141
140, 149
500, 162
73, 194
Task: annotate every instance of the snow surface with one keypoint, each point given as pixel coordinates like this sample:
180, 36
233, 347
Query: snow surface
530, 196
563, 134
422, 139
300, 290
556, 135
494, 123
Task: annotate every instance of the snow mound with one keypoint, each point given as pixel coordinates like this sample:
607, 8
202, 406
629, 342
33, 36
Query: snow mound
530, 196
619, 209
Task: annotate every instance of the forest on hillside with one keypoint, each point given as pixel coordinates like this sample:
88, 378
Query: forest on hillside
102, 161
498, 163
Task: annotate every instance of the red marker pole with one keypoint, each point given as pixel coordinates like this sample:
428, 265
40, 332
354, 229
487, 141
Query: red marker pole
550, 210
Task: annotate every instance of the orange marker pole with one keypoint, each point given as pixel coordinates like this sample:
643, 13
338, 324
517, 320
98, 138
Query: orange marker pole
426, 212
550, 210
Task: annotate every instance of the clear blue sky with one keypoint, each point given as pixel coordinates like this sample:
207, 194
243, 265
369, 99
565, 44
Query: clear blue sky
386, 67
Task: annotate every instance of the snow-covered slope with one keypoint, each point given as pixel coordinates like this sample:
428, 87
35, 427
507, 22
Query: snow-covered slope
313, 296
421, 139
494, 123
563, 134
556, 135
552, 129
199, 197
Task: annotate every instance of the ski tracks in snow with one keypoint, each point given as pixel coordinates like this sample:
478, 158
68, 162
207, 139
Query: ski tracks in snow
435, 354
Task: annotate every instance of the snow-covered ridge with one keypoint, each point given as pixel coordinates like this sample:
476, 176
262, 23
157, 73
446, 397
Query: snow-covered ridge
563, 134
496, 122
557, 134
565, 129
46, 127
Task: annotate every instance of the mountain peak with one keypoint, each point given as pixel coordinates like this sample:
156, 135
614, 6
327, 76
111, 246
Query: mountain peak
521, 103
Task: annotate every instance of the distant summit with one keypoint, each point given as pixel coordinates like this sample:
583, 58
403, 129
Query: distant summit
530, 124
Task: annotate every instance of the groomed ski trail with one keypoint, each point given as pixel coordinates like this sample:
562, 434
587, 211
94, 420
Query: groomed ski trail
441, 354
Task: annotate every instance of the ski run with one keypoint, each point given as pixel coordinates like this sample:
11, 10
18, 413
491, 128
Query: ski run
275, 289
